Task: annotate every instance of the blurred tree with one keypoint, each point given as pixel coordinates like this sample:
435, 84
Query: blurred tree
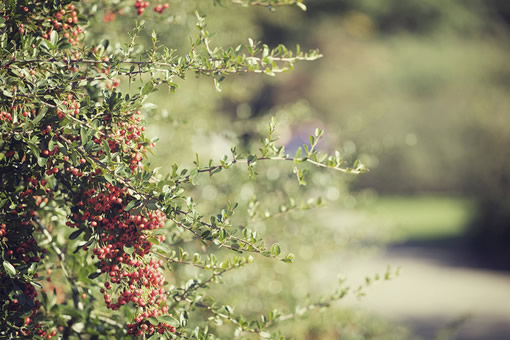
419, 88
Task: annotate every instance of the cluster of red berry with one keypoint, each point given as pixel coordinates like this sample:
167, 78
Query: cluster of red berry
160, 8
44, 333
66, 20
29, 327
113, 84
125, 136
122, 254
123, 246
22, 251
4, 115
120, 134
141, 5
102, 208
70, 106
29, 292
109, 16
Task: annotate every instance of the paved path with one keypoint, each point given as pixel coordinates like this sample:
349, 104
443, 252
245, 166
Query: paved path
433, 291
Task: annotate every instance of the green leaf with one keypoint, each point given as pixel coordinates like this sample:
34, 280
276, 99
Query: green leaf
184, 318
78, 327
54, 37
298, 152
289, 258
41, 161
44, 45
252, 159
128, 250
275, 249
9, 268
109, 178
153, 321
161, 248
269, 72
36, 284
302, 6
229, 309
151, 204
168, 320
76, 233
104, 43
131, 205
206, 235
84, 136
51, 144
39, 116
106, 148
32, 269
153, 240
217, 85
148, 88
94, 275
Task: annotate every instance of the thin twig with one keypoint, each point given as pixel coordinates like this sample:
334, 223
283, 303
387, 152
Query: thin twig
54, 246
186, 292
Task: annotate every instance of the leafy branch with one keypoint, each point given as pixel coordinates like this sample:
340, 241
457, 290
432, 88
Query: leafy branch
249, 58
259, 326
268, 3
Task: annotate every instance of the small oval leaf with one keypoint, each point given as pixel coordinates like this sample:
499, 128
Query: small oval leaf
9, 268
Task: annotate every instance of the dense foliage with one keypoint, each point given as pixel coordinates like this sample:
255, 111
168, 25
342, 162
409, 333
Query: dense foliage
79, 205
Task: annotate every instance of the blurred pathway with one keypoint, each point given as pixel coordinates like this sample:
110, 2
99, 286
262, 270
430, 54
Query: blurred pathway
435, 292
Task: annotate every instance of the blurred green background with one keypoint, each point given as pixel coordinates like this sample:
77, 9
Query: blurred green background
419, 91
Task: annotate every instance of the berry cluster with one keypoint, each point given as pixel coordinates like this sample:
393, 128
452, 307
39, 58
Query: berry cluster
125, 135
141, 5
25, 189
65, 20
121, 133
160, 8
98, 206
53, 163
70, 106
113, 84
45, 333
122, 253
21, 251
4, 115
109, 16
16, 306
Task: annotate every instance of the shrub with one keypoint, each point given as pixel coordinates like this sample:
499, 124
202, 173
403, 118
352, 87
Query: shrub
81, 210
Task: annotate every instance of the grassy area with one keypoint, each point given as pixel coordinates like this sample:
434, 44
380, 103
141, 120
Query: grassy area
422, 217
